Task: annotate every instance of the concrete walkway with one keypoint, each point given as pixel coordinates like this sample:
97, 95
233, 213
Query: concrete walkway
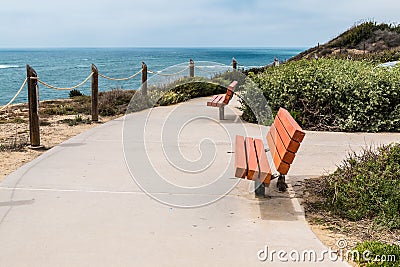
143, 192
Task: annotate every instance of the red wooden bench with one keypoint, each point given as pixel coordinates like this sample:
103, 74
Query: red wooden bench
220, 101
283, 139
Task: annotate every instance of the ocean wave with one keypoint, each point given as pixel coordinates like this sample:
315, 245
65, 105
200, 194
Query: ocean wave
8, 66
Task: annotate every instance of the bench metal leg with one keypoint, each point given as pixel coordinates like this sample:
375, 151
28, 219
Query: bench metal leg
281, 184
259, 188
221, 113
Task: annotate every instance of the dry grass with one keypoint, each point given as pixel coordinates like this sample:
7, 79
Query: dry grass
335, 227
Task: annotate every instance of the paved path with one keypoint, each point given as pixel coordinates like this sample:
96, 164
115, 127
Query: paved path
80, 205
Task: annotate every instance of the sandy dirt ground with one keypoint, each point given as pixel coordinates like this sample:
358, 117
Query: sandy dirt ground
14, 138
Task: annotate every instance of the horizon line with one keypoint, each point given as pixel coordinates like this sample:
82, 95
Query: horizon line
156, 47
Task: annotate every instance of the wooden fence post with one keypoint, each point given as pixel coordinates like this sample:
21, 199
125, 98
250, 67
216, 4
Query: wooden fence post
95, 93
33, 103
144, 79
191, 68
234, 64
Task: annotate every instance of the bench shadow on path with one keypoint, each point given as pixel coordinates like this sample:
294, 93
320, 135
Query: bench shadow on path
230, 119
278, 206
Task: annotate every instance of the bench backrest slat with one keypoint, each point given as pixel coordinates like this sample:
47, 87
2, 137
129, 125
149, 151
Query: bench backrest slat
284, 139
229, 92
288, 142
292, 127
284, 154
232, 86
281, 166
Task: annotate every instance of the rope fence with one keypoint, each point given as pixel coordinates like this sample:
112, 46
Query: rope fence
120, 79
62, 88
206, 69
169, 74
16, 95
32, 81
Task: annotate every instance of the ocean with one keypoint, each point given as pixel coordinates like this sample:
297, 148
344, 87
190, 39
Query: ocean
67, 67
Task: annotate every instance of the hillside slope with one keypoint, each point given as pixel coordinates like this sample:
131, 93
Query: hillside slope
380, 42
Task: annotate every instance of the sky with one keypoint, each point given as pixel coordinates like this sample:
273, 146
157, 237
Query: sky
184, 23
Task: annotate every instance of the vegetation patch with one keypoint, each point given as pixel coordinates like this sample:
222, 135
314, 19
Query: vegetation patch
373, 253
360, 200
186, 89
17, 120
74, 106
114, 102
17, 143
74, 93
368, 31
368, 40
333, 95
365, 186
77, 120
111, 103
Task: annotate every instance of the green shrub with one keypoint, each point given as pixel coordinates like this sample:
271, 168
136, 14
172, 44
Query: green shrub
114, 102
254, 105
79, 104
366, 186
378, 254
184, 91
60, 110
334, 95
18, 120
76, 121
74, 93
171, 98
376, 57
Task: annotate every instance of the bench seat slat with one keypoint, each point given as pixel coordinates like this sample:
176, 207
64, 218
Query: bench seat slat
216, 100
252, 164
240, 157
209, 103
214, 103
291, 126
264, 168
221, 102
